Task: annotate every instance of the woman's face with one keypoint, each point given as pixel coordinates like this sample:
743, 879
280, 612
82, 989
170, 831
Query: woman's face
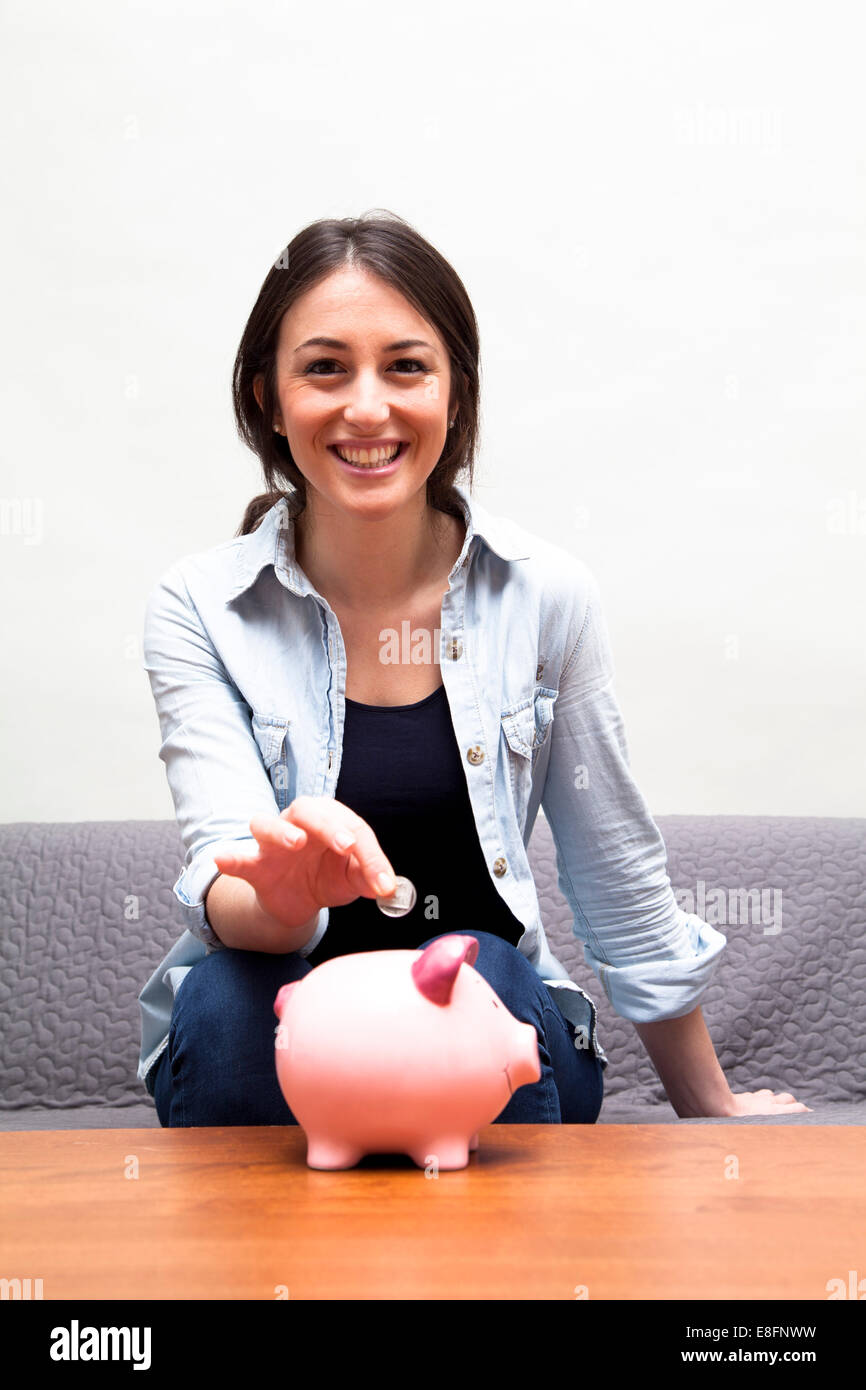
384, 379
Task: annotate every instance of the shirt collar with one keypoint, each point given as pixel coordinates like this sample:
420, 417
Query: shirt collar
273, 543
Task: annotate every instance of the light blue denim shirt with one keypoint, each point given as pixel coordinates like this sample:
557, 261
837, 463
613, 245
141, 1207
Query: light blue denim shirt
248, 671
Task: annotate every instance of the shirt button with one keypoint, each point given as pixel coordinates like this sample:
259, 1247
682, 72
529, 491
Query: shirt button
475, 755
455, 649
500, 867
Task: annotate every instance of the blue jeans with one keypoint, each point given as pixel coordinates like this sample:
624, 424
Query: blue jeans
218, 1067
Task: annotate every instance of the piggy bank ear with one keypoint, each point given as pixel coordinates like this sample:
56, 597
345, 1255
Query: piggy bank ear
435, 970
282, 998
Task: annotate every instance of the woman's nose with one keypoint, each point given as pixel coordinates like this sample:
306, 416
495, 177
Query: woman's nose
369, 415
369, 401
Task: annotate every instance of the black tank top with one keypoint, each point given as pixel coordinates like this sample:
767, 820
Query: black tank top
401, 772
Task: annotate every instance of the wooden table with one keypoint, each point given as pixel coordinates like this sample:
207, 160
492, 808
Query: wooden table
541, 1212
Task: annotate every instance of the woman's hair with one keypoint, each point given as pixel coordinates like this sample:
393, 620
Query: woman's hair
385, 245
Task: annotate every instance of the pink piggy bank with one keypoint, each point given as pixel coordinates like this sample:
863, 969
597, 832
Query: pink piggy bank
399, 1052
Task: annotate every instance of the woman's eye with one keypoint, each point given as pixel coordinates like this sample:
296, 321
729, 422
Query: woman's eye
412, 362
404, 363
321, 362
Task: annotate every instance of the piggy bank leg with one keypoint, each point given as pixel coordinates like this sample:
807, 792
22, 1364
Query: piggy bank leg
473, 1142
441, 1153
324, 1152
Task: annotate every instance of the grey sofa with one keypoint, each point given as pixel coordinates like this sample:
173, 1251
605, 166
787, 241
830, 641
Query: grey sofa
87, 912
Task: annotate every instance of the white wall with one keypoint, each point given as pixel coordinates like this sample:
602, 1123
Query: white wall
658, 212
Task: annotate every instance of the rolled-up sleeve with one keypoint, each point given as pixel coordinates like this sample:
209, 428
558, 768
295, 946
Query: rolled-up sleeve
215, 771
654, 960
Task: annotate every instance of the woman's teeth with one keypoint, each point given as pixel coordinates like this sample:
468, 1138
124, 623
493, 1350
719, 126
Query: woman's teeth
369, 458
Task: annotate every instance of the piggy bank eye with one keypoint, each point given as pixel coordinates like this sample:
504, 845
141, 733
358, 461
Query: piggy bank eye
494, 1003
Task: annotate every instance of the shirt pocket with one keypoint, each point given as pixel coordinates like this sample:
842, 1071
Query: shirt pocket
526, 727
270, 733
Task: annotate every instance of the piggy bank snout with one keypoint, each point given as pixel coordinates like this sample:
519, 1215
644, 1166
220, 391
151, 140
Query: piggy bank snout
283, 997
524, 1063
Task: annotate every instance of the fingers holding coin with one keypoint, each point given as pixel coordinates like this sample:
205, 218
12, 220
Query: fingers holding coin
337, 826
401, 901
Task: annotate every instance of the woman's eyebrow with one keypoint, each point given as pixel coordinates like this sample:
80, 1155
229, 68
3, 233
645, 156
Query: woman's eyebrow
344, 347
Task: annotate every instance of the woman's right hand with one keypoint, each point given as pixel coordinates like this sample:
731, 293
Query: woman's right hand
300, 868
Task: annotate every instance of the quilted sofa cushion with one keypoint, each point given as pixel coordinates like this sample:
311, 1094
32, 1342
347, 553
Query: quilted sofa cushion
786, 1008
87, 912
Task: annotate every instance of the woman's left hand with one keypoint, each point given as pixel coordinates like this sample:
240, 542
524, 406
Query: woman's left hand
766, 1103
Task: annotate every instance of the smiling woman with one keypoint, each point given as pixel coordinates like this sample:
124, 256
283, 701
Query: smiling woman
309, 769
385, 292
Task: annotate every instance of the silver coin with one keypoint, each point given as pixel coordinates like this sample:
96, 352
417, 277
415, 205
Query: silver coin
401, 901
